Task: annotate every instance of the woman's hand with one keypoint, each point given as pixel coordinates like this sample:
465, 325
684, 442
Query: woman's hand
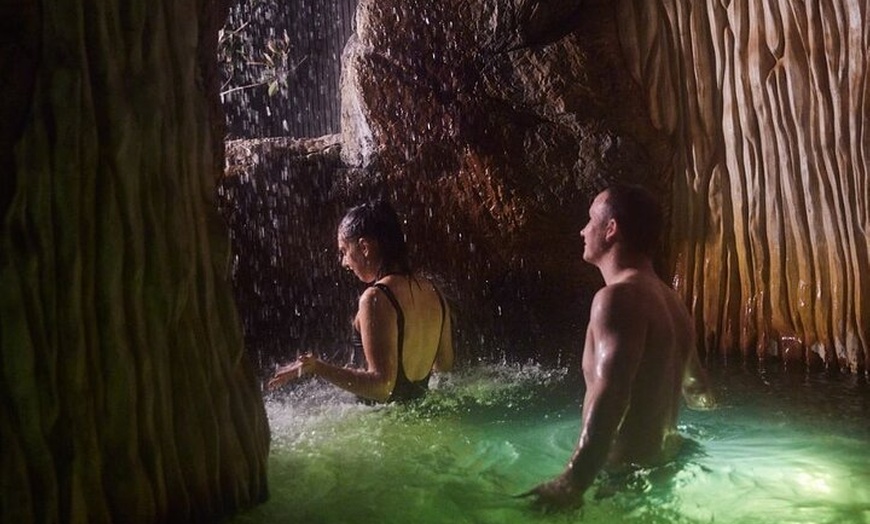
303, 366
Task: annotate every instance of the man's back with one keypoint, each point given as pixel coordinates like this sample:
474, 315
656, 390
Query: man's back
661, 324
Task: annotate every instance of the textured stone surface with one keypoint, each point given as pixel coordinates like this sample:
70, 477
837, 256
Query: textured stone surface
766, 106
490, 123
126, 394
493, 123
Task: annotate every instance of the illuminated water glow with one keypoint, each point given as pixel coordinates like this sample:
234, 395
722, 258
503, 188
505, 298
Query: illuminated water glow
780, 450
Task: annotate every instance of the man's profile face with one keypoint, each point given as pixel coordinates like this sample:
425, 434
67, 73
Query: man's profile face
593, 233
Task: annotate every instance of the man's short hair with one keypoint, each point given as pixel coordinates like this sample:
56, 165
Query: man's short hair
638, 214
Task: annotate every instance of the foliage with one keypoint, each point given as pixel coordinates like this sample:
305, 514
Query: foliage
247, 60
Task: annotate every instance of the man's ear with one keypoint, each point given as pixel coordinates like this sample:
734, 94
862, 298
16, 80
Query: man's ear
611, 230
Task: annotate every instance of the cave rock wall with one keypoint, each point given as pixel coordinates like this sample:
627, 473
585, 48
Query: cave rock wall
766, 105
492, 124
752, 124
126, 393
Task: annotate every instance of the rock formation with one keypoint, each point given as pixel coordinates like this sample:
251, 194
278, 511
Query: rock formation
758, 115
491, 124
490, 128
126, 394
766, 107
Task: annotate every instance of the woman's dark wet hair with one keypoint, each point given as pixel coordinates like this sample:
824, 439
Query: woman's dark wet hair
378, 221
639, 215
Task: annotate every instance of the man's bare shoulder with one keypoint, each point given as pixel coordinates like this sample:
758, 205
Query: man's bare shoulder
641, 297
617, 303
623, 292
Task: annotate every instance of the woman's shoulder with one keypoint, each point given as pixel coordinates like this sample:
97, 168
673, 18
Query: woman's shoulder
410, 287
375, 300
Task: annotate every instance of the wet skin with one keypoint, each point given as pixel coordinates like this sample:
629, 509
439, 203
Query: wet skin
639, 358
426, 339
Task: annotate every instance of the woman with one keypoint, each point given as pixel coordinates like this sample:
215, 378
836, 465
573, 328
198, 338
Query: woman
402, 326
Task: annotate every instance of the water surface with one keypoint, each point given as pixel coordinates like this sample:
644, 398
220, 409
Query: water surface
782, 448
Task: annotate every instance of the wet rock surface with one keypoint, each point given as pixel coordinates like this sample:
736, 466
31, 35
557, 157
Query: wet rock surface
489, 127
490, 124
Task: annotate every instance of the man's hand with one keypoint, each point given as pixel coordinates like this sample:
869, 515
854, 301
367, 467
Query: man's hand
700, 401
557, 494
697, 392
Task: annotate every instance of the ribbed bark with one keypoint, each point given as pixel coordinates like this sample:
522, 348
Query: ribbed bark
767, 107
126, 394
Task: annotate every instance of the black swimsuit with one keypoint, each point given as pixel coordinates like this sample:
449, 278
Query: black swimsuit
405, 389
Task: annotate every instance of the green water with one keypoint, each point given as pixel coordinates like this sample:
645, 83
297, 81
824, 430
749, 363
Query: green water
781, 449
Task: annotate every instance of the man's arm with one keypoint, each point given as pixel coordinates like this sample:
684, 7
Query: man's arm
617, 340
697, 391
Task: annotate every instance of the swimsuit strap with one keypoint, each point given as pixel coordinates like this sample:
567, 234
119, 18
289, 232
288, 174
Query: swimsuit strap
441, 301
400, 317
443, 318
404, 388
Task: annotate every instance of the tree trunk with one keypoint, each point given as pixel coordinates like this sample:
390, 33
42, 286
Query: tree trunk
126, 394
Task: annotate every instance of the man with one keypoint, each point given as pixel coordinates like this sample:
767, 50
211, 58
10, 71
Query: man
639, 354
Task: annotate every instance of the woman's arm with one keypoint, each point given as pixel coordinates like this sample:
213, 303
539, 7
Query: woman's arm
376, 321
